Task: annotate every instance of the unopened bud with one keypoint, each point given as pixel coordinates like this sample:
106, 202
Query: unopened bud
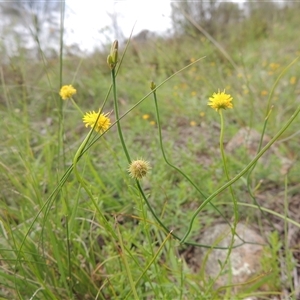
110, 61
114, 51
152, 85
112, 58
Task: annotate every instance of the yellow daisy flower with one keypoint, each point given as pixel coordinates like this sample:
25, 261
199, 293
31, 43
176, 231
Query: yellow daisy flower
67, 91
103, 122
220, 100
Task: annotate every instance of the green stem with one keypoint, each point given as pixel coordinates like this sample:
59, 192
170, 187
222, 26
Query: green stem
76, 106
69, 253
61, 148
235, 207
113, 76
127, 267
269, 211
238, 176
251, 194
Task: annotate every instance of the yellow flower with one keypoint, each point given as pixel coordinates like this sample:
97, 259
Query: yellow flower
193, 123
293, 80
220, 100
274, 66
183, 85
138, 168
146, 117
264, 93
67, 91
103, 122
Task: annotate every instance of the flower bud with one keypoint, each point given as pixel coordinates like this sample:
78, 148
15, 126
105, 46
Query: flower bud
152, 85
110, 61
112, 58
114, 51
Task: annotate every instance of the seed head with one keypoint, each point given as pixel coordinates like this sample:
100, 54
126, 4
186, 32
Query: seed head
138, 168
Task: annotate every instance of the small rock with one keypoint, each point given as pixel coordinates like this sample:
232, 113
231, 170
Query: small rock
247, 138
244, 260
250, 139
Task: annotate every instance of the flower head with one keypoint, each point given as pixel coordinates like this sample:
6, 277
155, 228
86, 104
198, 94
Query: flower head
220, 100
293, 80
103, 122
138, 168
67, 91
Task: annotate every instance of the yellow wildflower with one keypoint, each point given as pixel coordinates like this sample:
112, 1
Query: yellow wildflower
293, 80
67, 91
103, 122
193, 123
264, 93
274, 66
183, 86
220, 100
146, 117
138, 168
